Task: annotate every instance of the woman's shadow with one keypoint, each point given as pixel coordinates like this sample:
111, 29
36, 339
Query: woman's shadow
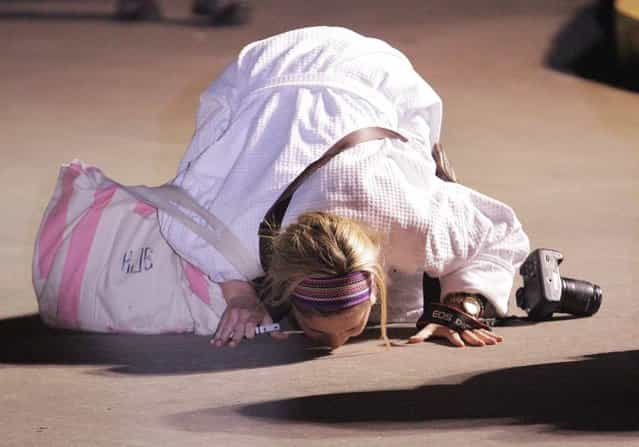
27, 341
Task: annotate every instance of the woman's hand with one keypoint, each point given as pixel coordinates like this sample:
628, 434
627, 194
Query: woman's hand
475, 337
243, 313
239, 320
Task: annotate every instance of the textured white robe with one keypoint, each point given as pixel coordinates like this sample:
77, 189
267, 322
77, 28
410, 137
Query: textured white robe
285, 101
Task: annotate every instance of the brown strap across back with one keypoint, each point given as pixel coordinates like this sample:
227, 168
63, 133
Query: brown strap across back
272, 221
433, 312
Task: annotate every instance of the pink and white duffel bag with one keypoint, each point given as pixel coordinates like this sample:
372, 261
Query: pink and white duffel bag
101, 263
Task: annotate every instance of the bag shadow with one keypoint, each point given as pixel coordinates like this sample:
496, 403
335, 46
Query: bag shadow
28, 341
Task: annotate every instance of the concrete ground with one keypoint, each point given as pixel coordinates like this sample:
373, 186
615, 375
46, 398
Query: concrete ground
562, 150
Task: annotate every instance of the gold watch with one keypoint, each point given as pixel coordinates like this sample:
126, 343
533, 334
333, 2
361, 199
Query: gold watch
471, 303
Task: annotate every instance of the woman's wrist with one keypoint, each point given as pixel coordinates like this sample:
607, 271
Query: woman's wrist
239, 293
472, 303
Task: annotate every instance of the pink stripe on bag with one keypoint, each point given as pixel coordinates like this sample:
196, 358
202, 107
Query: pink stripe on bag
77, 257
197, 282
144, 209
53, 228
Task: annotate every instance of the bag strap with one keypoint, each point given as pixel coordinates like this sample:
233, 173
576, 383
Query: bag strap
177, 203
272, 221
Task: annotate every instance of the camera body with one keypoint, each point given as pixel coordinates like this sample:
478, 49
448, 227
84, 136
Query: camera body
546, 292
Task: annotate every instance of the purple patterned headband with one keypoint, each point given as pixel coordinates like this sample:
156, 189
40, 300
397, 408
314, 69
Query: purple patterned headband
332, 294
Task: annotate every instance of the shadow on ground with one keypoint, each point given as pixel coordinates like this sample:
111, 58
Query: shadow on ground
586, 46
597, 394
27, 341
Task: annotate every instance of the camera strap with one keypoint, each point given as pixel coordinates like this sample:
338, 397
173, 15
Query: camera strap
449, 316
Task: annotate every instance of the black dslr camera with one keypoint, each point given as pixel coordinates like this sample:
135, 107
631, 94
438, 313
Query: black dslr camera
545, 291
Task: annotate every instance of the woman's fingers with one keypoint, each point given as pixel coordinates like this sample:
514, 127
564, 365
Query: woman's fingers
424, 334
237, 335
435, 330
453, 337
225, 328
234, 319
249, 329
481, 337
473, 339
488, 336
238, 323
476, 337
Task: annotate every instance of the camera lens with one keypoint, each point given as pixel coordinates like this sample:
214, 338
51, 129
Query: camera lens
580, 298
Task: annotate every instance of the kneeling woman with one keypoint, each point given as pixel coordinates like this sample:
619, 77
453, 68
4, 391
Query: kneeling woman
362, 226
276, 110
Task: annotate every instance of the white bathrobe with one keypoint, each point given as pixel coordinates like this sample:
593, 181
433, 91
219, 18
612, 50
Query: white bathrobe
285, 101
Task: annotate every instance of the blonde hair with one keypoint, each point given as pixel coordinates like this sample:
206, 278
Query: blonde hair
321, 243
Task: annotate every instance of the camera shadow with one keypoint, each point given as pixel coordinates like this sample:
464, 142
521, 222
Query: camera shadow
595, 394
